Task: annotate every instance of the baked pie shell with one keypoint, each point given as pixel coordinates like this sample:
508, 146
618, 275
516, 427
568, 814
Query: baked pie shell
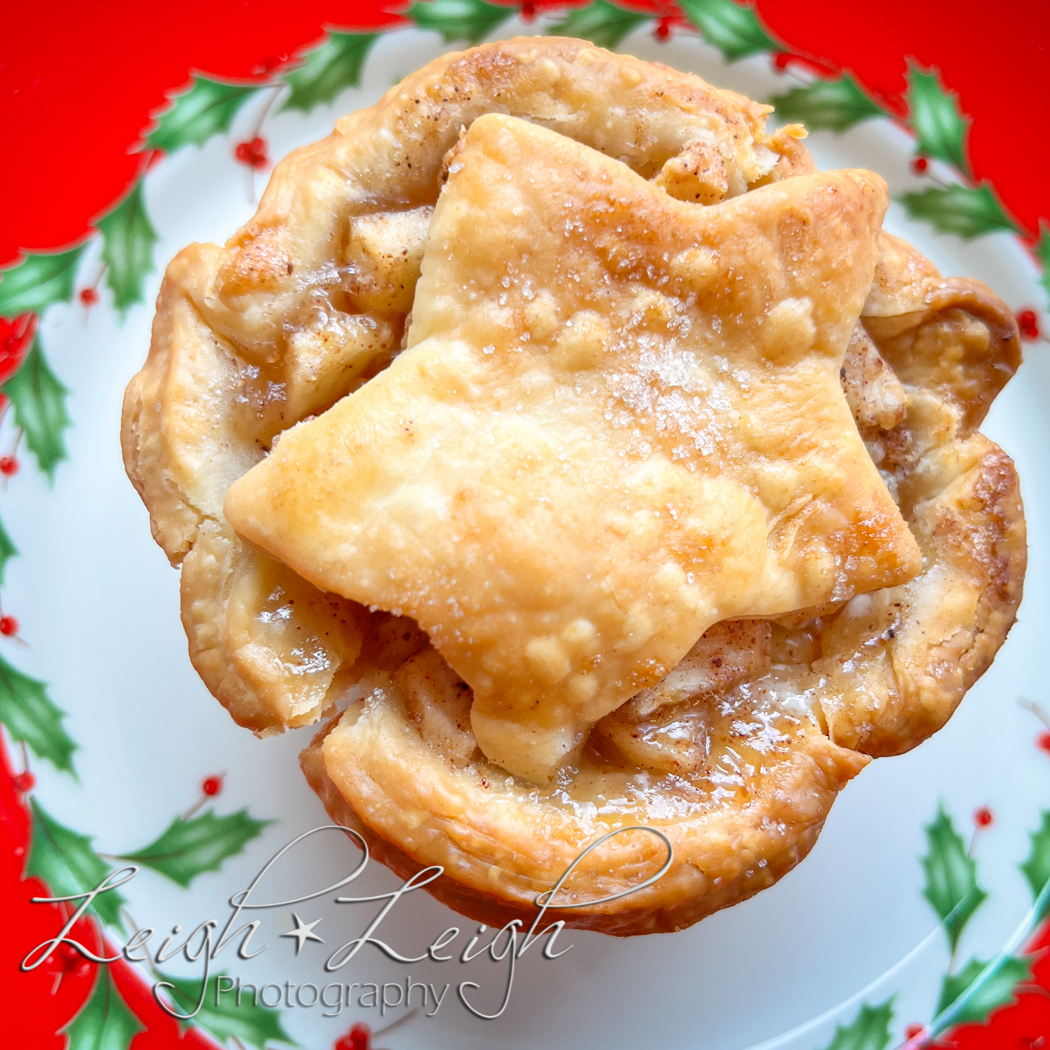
224, 378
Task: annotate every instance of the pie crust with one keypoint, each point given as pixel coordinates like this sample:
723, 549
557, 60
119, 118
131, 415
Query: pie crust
597, 443
736, 721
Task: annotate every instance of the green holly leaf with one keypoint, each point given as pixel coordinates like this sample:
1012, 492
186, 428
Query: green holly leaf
40, 279
250, 1023
31, 718
204, 109
190, 847
870, 1029
104, 1022
934, 116
602, 23
327, 69
128, 238
1036, 869
732, 28
951, 877
39, 400
66, 863
470, 20
8, 550
954, 985
1042, 252
832, 105
963, 210
979, 988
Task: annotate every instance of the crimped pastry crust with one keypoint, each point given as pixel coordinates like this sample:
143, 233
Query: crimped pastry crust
738, 768
502, 845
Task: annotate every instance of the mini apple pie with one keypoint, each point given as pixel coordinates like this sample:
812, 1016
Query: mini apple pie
597, 463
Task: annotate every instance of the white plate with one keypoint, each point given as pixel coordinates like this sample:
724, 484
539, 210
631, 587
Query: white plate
99, 604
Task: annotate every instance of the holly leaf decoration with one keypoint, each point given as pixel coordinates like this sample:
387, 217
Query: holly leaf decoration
951, 877
189, 847
969, 996
39, 400
128, 238
934, 116
204, 109
732, 28
870, 1030
470, 20
1042, 252
832, 105
602, 23
326, 70
8, 550
963, 210
31, 717
252, 1024
1036, 869
66, 863
40, 279
104, 1022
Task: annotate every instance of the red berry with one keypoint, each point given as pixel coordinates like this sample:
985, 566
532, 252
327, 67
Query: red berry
913, 1031
24, 782
15, 339
528, 11
358, 1038
983, 817
8, 466
73, 962
68, 961
252, 153
88, 296
212, 785
781, 60
920, 165
1042, 741
1028, 322
663, 29
8, 626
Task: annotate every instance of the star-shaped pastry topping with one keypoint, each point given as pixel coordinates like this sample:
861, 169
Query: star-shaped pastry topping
618, 421
303, 932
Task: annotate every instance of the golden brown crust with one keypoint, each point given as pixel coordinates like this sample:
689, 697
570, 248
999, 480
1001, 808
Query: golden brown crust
900, 661
308, 301
504, 844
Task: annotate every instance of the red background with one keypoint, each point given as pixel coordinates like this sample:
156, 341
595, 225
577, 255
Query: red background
79, 81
